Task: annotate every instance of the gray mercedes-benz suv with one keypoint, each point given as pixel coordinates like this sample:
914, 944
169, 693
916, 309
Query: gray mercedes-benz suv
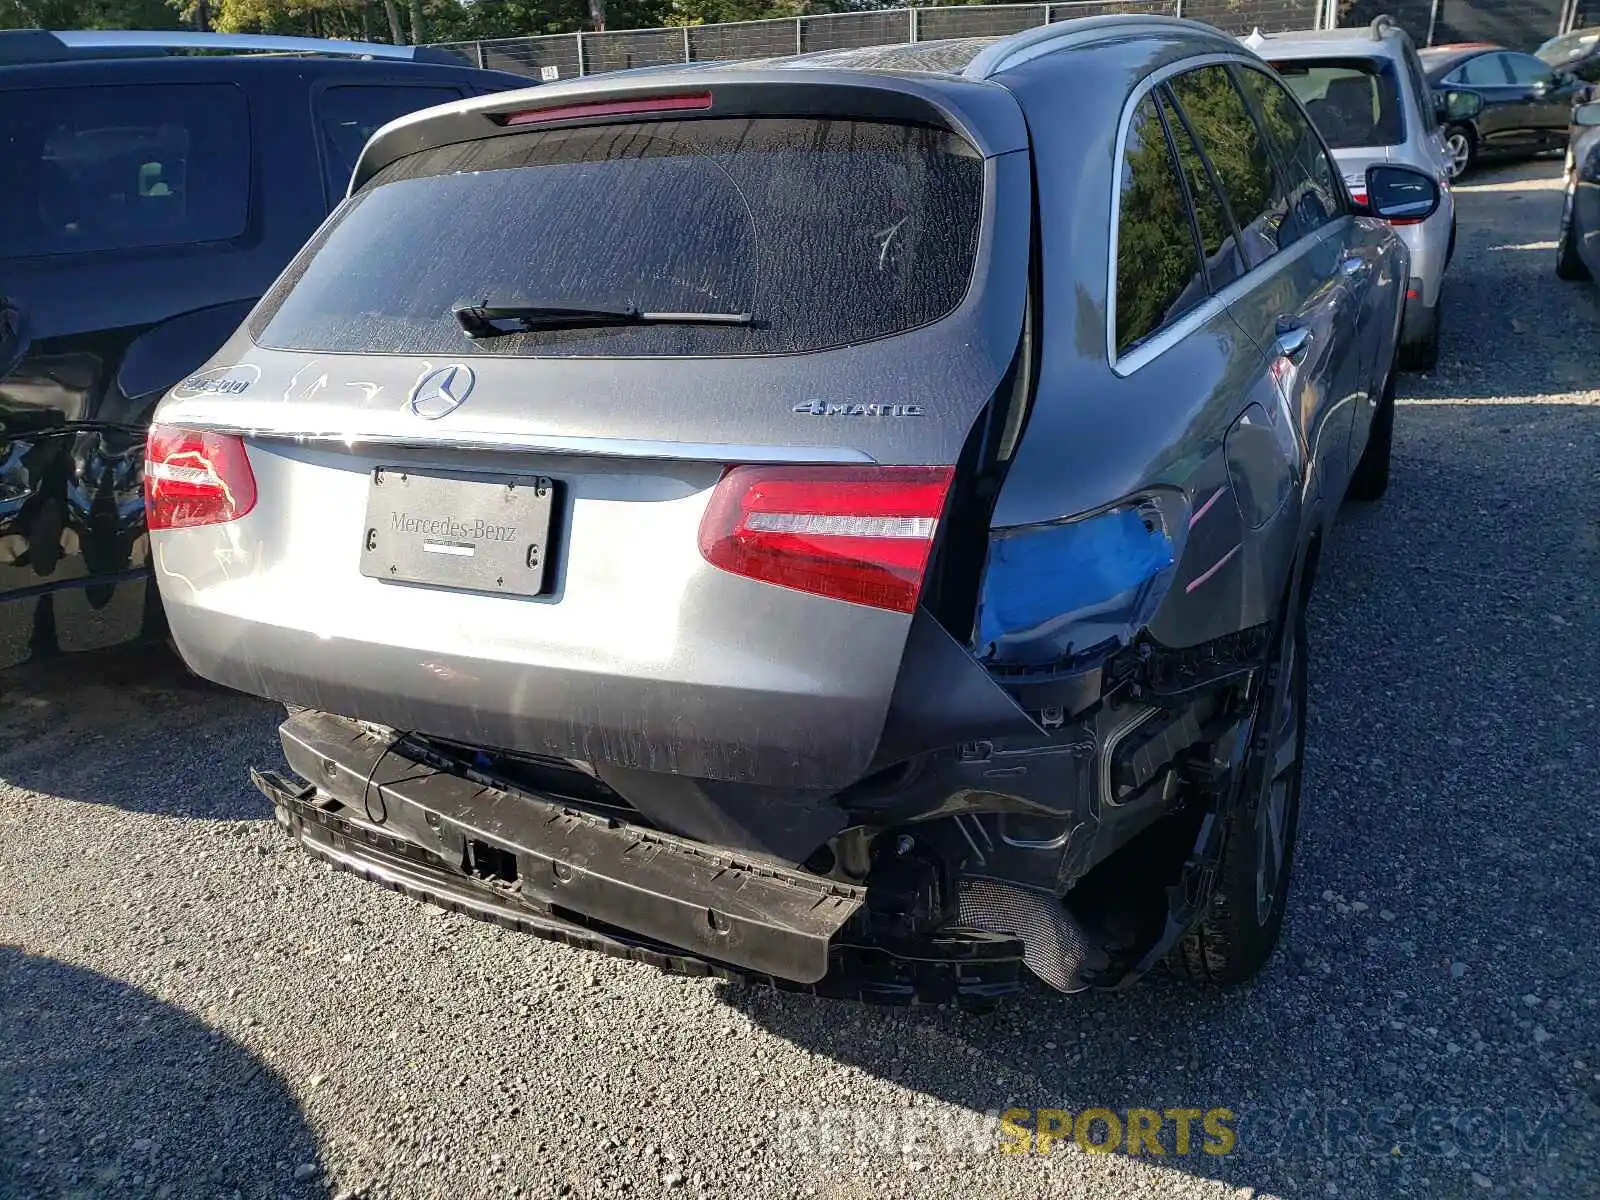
830, 521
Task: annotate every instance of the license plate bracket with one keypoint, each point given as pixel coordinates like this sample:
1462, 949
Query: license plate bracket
476, 532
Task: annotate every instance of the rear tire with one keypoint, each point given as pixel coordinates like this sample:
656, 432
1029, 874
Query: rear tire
1239, 930
1370, 480
1569, 263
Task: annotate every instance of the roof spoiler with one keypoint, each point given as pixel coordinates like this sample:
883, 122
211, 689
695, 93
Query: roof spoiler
45, 46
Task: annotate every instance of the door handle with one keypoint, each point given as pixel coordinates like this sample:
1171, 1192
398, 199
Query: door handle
1292, 342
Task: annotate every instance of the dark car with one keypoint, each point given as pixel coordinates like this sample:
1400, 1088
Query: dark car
148, 198
1577, 52
1525, 103
883, 566
1578, 236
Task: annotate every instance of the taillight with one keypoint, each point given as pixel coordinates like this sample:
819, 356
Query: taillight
861, 534
192, 477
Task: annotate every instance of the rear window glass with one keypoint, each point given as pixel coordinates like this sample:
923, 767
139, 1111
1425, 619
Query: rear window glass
1352, 102
827, 232
122, 167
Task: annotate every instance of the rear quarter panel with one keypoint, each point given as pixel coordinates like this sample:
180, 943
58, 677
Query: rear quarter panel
1096, 435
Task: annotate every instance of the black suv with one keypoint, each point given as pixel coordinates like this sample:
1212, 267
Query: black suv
148, 196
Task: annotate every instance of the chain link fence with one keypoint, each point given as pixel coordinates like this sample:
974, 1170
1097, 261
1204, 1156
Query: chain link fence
1519, 23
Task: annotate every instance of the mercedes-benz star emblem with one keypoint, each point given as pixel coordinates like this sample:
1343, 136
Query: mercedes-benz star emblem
439, 393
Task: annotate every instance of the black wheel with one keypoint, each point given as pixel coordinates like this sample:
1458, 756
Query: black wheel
1569, 264
1240, 927
1370, 480
1423, 354
1462, 144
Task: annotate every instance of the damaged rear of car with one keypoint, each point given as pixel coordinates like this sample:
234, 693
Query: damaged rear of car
675, 530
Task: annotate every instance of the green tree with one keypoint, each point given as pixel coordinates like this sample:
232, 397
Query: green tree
87, 14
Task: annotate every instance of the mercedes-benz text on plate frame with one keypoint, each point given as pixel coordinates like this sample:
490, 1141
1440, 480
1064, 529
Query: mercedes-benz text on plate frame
480, 533
440, 392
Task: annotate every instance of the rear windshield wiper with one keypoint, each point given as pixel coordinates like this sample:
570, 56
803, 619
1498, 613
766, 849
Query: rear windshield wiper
498, 320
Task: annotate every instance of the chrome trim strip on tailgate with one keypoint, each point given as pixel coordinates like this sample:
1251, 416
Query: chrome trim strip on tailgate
591, 447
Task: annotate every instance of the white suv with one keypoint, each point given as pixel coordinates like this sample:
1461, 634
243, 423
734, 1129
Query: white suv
1367, 95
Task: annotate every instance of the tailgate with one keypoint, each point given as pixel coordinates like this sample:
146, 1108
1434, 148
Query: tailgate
838, 296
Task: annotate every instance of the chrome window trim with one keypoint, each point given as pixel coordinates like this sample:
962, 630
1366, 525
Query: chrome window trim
1169, 335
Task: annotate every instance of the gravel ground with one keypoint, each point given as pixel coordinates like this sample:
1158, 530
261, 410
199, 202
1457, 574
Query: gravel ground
188, 1007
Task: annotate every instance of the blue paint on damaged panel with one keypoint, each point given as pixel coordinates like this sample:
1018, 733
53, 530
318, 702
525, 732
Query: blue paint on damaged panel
1054, 592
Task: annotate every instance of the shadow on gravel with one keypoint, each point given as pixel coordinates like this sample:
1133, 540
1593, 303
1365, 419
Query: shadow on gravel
1433, 990
135, 729
107, 1092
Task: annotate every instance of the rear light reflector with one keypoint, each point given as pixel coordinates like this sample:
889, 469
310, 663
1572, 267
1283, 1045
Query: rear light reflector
610, 108
192, 477
861, 534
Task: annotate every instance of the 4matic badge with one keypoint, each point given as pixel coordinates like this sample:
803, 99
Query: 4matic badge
828, 408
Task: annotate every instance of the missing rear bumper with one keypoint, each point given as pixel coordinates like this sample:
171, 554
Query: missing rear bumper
539, 866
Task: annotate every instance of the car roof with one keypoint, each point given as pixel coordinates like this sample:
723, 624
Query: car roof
32, 47
1580, 43
944, 56
37, 58
962, 77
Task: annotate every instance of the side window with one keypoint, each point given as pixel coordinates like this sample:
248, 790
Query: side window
1315, 192
1526, 70
1217, 239
1487, 70
1158, 264
347, 116
123, 167
1214, 109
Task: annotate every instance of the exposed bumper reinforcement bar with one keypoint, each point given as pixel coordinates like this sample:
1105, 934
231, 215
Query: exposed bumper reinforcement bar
726, 907
601, 884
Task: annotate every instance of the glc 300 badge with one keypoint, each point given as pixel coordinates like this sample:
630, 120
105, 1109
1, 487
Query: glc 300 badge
824, 408
218, 381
